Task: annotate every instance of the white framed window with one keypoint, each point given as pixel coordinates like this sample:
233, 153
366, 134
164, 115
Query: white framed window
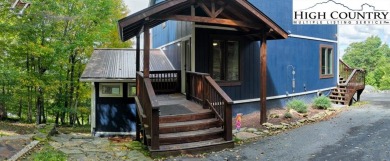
131, 89
110, 90
326, 61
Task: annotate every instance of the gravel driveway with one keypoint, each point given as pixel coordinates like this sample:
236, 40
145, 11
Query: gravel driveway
361, 133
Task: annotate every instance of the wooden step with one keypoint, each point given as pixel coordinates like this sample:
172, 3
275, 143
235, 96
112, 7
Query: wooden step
186, 117
192, 148
190, 136
336, 96
189, 125
342, 102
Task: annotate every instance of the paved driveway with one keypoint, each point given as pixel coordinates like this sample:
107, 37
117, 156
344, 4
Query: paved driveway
362, 133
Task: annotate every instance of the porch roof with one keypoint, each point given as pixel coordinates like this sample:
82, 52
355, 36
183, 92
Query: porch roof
114, 65
239, 14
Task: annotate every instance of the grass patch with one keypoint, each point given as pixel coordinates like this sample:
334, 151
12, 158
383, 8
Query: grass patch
322, 102
46, 152
136, 145
74, 129
297, 105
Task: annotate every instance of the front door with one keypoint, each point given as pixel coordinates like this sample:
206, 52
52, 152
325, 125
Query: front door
185, 62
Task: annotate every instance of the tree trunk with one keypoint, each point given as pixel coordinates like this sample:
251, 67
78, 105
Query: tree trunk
20, 107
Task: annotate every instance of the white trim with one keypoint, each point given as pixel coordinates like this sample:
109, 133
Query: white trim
176, 41
101, 94
115, 133
311, 38
106, 80
215, 27
282, 96
193, 38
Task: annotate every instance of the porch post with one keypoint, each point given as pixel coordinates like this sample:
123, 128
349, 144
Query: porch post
146, 51
263, 79
138, 52
137, 69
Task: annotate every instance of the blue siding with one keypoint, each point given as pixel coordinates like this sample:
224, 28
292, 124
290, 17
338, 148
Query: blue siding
280, 11
115, 114
300, 53
173, 30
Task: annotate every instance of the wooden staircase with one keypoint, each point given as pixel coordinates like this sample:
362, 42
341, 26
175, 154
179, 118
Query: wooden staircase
191, 133
351, 82
207, 129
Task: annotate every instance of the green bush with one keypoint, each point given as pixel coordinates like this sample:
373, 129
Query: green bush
287, 115
297, 105
322, 102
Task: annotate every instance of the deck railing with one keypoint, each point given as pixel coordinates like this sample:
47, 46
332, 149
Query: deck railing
166, 81
345, 70
201, 88
150, 110
355, 79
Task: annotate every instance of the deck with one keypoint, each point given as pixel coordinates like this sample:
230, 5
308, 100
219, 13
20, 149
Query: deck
173, 123
177, 104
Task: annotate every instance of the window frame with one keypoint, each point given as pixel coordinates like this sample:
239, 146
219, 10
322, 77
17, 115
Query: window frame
129, 85
101, 94
323, 76
224, 58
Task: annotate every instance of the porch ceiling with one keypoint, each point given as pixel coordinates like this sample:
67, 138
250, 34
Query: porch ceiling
240, 14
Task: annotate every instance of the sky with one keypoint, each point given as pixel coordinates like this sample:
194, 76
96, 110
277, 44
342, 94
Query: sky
347, 34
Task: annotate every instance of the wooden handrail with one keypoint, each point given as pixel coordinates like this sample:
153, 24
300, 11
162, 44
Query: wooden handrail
219, 90
345, 64
150, 108
202, 89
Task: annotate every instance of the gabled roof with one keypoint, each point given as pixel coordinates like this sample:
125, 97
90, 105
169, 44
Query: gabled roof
120, 64
239, 14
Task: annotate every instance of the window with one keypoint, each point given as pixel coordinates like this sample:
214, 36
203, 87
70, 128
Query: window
225, 65
110, 90
131, 90
326, 61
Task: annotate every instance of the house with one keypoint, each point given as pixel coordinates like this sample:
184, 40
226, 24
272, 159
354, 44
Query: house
234, 56
112, 73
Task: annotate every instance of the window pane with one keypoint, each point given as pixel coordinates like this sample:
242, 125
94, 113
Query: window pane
329, 63
132, 89
217, 59
111, 89
232, 61
323, 61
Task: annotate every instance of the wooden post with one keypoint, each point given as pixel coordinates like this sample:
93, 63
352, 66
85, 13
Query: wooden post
228, 122
138, 53
146, 51
263, 79
155, 144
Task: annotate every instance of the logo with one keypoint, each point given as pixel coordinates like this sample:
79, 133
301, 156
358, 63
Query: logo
341, 12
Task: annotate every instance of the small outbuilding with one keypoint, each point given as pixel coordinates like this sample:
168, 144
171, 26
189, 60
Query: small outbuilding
112, 73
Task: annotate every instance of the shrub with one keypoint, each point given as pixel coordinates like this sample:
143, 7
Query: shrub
322, 102
297, 105
287, 115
